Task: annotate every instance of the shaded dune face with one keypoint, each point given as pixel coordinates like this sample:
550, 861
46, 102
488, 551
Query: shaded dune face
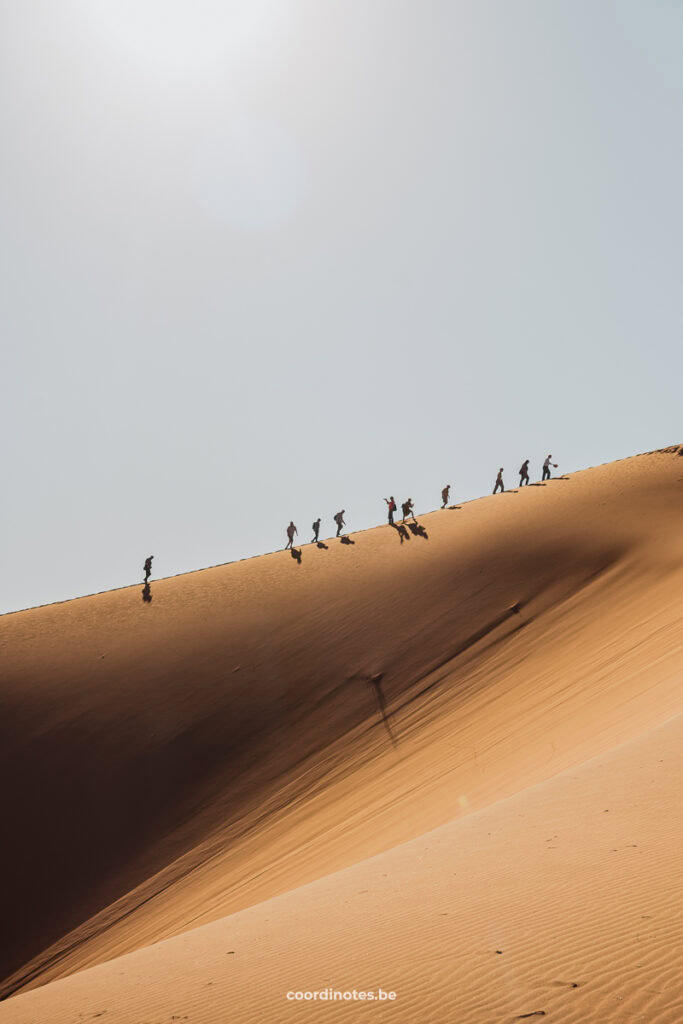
261, 724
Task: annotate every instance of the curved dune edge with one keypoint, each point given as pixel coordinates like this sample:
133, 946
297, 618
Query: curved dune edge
559, 901
264, 724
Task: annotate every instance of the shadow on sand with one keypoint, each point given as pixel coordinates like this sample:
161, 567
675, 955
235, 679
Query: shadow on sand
147, 593
346, 540
401, 531
376, 684
321, 544
296, 555
418, 531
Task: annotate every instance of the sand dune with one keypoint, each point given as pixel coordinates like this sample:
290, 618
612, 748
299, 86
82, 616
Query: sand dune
264, 724
556, 903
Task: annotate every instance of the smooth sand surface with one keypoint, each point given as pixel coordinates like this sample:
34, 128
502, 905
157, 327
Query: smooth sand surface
562, 901
265, 724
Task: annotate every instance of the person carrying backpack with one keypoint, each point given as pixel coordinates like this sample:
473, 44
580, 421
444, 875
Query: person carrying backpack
339, 520
407, 509
391, 503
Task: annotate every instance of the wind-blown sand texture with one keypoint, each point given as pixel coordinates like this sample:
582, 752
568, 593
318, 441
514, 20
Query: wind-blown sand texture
487, 713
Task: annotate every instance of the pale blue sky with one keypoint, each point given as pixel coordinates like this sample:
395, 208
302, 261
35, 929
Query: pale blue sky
265, 260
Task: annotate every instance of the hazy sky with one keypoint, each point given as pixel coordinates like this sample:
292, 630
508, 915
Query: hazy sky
265, 260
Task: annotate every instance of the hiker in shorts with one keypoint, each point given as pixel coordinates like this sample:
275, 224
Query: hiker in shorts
407, 509
499, 481
524, 473
316, 531
445, 494
148, 567
291, 530
546, 467
339, 520
391, 503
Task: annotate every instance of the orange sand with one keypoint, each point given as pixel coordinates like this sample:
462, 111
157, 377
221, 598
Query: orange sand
264, 724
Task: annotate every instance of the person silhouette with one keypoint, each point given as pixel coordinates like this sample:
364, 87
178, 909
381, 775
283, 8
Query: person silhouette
499, 481
546, 467
445, 494
339, 520
291, 530
148, 567
524, 473
391, 509
407, 509
316, 531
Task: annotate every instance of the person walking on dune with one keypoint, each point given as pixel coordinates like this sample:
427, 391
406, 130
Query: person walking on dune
499, 481
407, 509
339, 520
524, 473
546, 467
291, 530
391, 508
445, 494
316, 531
148, 567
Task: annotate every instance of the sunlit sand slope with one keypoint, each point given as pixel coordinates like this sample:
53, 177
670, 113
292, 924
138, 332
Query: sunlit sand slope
559, 902
263, 724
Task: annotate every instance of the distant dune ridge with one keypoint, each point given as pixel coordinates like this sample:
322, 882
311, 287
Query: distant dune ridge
261, 726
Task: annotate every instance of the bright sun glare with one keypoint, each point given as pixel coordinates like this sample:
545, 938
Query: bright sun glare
184, 34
